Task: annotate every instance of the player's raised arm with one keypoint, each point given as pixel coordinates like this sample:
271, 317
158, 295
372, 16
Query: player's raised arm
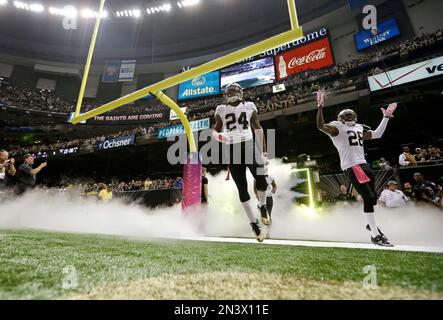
378, 133
326, 128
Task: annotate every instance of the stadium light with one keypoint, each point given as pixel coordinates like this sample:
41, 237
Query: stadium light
163, 8
37, 7
34, 7
69, 11
136, 13
187, 3
3, 2
55, 11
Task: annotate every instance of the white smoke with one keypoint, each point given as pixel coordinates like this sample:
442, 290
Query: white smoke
224, 216
64, 212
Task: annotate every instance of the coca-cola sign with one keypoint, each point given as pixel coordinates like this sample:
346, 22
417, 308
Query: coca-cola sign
316, 55
311, 57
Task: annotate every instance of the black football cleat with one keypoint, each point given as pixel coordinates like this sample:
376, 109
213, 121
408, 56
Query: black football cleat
258, 231
265, 217
379, 231
380, 241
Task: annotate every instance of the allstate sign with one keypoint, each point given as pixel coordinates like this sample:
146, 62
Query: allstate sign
203, 86
116, 142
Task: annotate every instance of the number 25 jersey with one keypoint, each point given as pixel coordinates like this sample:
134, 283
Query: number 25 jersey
237, 121
349, 144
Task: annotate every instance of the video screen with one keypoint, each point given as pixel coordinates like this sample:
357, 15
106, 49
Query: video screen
250, 74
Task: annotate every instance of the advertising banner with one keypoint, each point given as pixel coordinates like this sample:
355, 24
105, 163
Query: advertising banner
137, 118
414, 72
203, 86
116, 142
112, 71
127, 70
306, 39
177, 130
385, 31
316, 55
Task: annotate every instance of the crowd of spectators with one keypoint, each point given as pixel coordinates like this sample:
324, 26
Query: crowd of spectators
93, 188
347, 76
422, 155
417, 192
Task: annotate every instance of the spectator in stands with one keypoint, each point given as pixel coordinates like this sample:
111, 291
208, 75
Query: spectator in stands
391, 197
434, 153
408, 190
420, 155
105, 193
26, 175
384, 165
7, 169
147, 185
344, 195
424, 190
178, 184
406, 158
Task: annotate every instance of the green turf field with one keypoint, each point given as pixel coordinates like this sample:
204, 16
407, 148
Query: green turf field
39, 265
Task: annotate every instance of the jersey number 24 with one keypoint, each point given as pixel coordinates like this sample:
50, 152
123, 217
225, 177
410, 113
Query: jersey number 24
231, 121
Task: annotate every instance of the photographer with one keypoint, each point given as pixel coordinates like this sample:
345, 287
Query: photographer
26, 175
7, 169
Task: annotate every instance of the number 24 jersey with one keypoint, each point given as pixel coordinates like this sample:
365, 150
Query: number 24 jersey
237, 121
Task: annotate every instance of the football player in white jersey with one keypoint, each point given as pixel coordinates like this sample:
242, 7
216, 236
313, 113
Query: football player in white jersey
348, 136
234, 122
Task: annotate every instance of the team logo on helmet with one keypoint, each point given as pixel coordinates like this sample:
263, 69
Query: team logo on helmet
348, 117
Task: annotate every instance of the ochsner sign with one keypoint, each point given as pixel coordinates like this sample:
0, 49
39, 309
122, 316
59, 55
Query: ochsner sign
316, 55
116, 142
414, 72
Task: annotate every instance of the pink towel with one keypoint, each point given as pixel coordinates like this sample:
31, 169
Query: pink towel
360, 174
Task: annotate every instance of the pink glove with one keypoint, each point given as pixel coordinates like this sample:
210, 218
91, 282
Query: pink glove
321, 97
389, 112
220, 137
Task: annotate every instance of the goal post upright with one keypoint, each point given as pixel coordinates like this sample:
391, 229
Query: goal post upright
89, 58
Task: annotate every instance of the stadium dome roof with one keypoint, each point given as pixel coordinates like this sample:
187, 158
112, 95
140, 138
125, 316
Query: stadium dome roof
209, 27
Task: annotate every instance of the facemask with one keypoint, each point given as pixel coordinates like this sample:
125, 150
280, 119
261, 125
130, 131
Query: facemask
350, 123
233, 99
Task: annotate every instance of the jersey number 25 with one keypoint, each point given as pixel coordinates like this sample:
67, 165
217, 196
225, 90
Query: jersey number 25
231, 121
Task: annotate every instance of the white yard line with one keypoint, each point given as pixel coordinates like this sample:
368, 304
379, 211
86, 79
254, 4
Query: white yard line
320, 244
